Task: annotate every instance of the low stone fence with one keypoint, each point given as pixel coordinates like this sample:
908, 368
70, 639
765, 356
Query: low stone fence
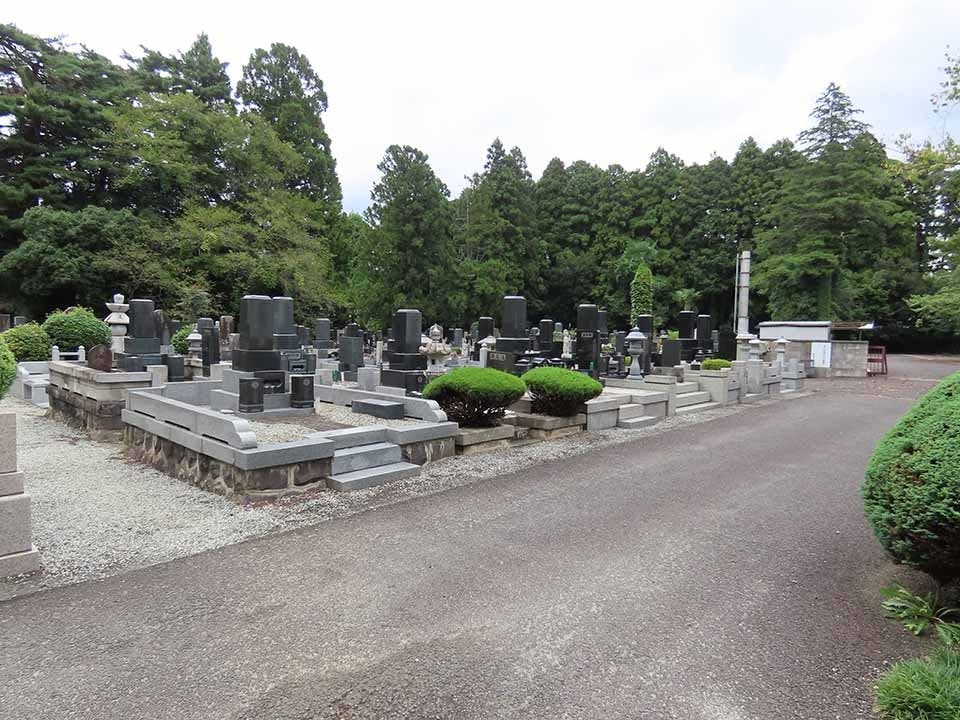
89, 399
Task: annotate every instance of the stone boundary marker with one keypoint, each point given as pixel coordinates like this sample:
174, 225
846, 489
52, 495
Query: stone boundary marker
17, 553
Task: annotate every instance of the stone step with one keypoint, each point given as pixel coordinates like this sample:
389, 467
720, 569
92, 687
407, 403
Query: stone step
361, 457
630, 411
697, 408
692, 398
371, 477
636, 423
688, 387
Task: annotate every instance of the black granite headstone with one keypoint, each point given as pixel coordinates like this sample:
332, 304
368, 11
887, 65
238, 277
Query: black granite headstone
284, 330
686, 324
670, 352
485, 328
176, 369
588, 338
513, 335
255, 345
704, 326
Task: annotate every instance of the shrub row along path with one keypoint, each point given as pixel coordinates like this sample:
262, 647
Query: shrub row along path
719, 572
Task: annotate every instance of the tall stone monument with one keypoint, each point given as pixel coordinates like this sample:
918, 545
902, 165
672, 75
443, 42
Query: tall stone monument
255, 347
513, 337
588, 338
119, 321
407, 365
17, 553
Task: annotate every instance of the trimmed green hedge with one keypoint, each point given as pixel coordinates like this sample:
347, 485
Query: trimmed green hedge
715, 364
28, 342
179, 339
558, 391
8, 367
641, 291
912, 487
927, 689
70, 330
474, 396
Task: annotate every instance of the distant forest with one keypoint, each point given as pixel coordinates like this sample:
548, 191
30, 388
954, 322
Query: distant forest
156, 177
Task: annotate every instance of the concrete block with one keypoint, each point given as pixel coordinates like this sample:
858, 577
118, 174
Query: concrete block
387, 390
368, 378
636, 423
158, 375
15, 524
11, 483
361, 457
603, 420
603, 403
20, 563
8, 442
322, 376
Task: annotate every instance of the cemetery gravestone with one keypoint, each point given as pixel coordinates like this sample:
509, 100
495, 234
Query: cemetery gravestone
588, 339
513, 337
100, 358
142, 338
406, 362
255, 351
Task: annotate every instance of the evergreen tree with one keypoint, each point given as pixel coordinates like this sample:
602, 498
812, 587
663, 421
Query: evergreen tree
196, 72
407, 258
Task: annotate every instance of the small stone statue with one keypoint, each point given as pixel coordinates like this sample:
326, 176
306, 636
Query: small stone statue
567, 353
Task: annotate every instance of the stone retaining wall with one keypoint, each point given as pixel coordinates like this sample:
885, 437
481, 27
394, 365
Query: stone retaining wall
223, 478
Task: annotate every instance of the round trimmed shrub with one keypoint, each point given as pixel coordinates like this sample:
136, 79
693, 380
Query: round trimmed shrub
474, 396
558, 391
912, 488
8, 367
715, 364
79, 326
28, 342
179, 339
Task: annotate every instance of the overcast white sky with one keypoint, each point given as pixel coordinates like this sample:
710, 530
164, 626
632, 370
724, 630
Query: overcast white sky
605, 82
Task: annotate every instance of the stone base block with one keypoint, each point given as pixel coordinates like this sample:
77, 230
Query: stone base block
471, 440
546, 422
603, 420
559, 432
19, 563
11, 483
15, 524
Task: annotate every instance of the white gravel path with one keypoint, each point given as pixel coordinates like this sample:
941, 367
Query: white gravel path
96, 514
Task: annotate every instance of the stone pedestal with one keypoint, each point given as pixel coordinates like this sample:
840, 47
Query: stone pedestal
17, 553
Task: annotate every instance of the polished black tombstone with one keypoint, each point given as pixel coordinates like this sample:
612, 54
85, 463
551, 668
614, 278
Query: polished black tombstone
350, 351
301, 391
686, 324
284, 330
670, 352
704, 329
255, 351
321, 340
602, 327
513, 334
251, 391
209, 343
142, 338
406, 362
588, 339
131, 363
485, 329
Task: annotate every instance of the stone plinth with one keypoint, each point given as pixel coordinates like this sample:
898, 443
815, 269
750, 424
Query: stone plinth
17, 553
90, 399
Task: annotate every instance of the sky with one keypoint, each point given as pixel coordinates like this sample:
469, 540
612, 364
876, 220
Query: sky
605, 82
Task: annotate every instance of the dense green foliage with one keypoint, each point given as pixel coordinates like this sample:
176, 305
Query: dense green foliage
28, 342
8, 368
919, 613
155, 177
641, 292
927, 689
79, 326
912, 486
558, 391
179, 339
715, 364
474, 396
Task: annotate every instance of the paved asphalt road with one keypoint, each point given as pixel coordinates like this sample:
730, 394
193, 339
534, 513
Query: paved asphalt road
722, 572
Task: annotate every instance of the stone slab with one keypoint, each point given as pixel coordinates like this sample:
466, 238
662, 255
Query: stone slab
555, 433
474, 436
603, 403
283, 454
351, 437
423, 432
372, 477
546, 422
387, 409
361, 457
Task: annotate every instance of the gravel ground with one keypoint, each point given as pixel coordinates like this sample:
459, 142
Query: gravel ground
95, 514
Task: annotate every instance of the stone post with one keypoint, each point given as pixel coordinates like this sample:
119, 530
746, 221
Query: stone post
782, 352
81, 354
55, 353
17, 553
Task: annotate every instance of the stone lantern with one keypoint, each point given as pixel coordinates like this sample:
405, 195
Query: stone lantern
637, 348
118, 320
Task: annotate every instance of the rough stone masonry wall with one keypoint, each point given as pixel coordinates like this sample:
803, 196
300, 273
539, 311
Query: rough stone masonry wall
223, 478
99, 418
425, 451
